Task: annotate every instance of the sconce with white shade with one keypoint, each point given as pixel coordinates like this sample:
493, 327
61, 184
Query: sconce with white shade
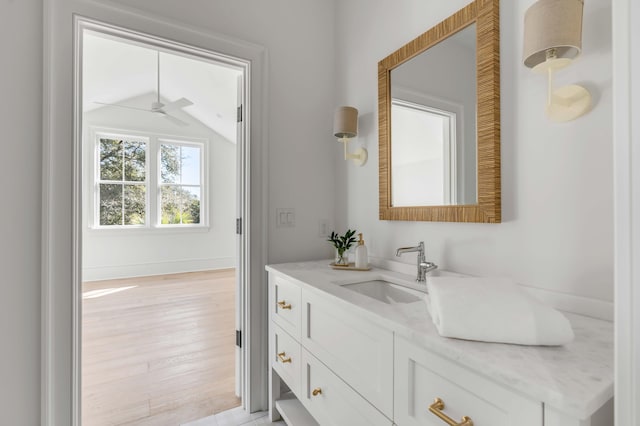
345, 127
552, 39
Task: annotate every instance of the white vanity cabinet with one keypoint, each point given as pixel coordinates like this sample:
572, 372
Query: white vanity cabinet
421, 377
359, 352
325, 357
331, 401
339, 358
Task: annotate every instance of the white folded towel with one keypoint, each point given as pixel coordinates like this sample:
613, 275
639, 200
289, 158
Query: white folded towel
493, 310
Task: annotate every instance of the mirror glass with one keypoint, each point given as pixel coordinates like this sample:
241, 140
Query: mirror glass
433, 125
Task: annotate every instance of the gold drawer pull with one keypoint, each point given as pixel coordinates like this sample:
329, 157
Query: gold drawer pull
282, 356
316, 392
284, 305
437, 407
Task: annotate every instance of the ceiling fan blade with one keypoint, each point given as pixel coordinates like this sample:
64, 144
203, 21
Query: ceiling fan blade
123, 106
180, 103
175, 120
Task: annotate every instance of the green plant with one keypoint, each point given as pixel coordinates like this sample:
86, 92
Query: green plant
342, 243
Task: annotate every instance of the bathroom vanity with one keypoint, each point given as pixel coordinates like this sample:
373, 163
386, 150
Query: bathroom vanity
343, 351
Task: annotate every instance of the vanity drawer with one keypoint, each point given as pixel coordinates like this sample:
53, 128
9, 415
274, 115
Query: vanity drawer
331, 401
421, 376
357, 351
285, 358
285, 305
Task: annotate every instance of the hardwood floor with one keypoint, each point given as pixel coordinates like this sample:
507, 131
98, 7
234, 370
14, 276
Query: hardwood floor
158, 350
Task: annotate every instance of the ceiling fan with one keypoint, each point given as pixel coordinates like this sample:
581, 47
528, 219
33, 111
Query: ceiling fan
158, 107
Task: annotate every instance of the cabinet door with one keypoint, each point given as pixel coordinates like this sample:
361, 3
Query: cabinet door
357, 351
284, 304
421, 376
331, 401
285, 358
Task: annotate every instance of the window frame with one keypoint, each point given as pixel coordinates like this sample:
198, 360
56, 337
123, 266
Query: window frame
152, 174
97, 180
159, 184
449, 148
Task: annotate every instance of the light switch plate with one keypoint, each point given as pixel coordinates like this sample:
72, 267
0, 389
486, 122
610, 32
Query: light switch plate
323, 228
285, 218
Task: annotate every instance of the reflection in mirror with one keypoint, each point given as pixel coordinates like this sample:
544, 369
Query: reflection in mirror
433, 125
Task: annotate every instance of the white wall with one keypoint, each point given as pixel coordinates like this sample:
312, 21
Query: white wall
127, 253
20, 172
556, 178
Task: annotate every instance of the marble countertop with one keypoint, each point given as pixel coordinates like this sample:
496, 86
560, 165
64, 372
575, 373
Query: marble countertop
575, 379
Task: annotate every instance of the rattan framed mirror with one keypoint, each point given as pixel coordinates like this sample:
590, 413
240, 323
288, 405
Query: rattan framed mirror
475, 160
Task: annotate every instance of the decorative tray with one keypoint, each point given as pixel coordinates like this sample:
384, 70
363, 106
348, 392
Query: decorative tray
350, 267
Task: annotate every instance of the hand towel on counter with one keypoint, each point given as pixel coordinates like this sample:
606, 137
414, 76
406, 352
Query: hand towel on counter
493, 310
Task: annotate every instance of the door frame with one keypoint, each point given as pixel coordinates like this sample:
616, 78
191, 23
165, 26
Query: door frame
626, 157
61, 198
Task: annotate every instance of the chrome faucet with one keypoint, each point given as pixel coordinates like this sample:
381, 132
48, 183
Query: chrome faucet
423, 265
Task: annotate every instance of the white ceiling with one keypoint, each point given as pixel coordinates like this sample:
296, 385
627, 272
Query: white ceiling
115, 71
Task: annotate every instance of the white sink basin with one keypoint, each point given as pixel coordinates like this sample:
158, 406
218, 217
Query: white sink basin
385, 291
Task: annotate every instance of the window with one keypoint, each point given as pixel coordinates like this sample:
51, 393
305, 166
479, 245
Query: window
424, 150
148, 182
180, 184
122, 183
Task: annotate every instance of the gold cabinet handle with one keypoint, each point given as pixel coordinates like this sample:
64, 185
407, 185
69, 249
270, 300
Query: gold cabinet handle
316, 392
437, 407
283, 359
284, 305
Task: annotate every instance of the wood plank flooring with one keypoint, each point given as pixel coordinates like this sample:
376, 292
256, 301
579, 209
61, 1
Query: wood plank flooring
158, 351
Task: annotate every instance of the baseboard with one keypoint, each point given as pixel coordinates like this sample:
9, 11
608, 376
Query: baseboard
97, 273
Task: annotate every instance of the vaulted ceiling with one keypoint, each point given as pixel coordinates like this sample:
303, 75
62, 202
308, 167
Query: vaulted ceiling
118, 72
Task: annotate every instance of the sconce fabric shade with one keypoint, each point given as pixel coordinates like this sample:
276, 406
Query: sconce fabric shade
552, 24
345, 122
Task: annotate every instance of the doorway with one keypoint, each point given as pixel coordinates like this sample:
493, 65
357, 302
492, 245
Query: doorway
162, 264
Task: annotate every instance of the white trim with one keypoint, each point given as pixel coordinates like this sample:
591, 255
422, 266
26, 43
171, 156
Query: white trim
60, 235
626, 136
142, 269
581, 305
47, 320
594, 308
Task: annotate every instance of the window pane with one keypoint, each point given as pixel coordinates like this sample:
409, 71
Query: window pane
191, 205
110, 204
190, 165
170, 205
134, 204
110, 159
134, 161
180, 205
170, 163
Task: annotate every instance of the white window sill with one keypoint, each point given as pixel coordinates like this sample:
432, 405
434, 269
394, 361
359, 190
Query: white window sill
154, 230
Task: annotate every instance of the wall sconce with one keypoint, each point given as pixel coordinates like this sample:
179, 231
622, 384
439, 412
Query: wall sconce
552, 39
345, 127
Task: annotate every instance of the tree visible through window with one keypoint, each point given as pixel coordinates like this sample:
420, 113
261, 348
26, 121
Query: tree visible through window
122, 182
180, 184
